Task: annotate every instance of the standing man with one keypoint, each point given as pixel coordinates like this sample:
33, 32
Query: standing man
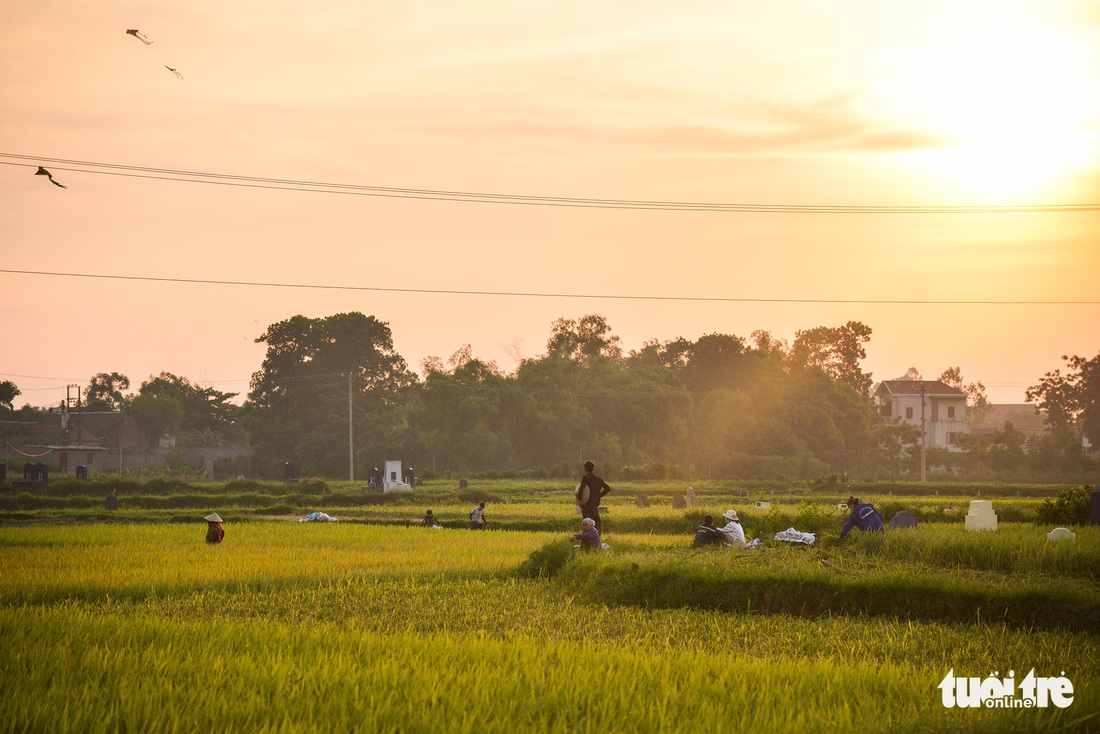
477, 517
589, 493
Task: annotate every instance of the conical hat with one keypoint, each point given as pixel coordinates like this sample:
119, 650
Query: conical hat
215, 517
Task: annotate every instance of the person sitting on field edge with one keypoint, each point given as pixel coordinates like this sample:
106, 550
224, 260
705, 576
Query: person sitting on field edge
864, 516
214, 531
706, 534
589, 536
429, 520
477, 517
732, 530
589, 492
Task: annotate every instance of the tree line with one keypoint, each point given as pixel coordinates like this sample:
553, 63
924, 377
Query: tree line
717, 406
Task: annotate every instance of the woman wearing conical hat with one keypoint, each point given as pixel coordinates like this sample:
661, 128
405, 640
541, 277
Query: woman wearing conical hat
214, 531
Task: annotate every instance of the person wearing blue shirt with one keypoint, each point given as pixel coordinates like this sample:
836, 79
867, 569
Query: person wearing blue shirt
864, 516
589, 536
707, 534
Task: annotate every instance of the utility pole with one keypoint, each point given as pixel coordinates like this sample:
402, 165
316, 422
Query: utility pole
65, 416
351, 437
923, 443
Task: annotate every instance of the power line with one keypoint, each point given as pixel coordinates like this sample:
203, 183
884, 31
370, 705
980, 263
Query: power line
319, 187
531, 294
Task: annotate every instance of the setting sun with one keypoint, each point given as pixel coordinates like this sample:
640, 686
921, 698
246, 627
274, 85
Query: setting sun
1012, 106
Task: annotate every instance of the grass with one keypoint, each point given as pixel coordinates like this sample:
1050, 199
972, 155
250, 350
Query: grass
249, 675
373, 626
45, 564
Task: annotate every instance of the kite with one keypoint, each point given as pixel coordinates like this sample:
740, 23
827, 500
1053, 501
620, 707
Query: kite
43, 172
137, 34
178, 75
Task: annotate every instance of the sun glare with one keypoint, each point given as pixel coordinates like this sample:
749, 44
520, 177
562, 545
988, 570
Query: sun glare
1012, 105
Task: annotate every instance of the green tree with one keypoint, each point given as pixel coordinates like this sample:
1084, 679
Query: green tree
976, 400
554, 420
459, 419
583, 399
721, 428
1006, 453
584, 340
8, 393
895, 450
1072, 507
837, 351
1071, 400
104, 391
207, 418
160, 415
297, 409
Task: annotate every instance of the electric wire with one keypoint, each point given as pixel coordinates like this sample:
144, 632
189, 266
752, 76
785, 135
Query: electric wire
533, 294
226, 179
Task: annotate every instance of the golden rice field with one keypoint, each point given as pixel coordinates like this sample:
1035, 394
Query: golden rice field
291, 627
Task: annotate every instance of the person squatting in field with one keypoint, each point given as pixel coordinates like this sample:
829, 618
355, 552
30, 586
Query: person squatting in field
215, 533
589, 536
864, 516
589, 492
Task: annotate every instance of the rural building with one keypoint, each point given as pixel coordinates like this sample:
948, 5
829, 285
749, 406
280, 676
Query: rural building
932, 405
97, 440
1024, 417
107, 441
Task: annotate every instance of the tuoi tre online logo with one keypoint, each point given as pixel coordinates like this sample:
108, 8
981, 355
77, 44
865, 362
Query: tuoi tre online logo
993, 692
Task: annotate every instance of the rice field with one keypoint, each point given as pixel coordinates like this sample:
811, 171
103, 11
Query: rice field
366, 627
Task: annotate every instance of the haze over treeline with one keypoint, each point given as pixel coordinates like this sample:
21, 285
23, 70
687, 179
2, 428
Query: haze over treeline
720, 405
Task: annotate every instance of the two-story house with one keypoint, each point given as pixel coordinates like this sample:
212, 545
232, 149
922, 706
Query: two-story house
938, 409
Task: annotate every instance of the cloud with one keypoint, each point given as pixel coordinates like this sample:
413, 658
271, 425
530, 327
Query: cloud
755, 128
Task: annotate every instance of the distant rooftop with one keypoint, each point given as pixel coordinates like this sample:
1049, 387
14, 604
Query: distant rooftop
916, 387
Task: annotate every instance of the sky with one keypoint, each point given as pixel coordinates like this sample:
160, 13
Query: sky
925, 104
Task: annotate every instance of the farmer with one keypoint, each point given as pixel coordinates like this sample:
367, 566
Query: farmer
429, 520
706, 534
589, 492
864, 516
732, 530
589, 536
214, 531
477, 517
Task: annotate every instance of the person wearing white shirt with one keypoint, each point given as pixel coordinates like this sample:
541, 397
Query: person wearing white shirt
735, 534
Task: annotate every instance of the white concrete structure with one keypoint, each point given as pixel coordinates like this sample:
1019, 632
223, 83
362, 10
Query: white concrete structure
981, 516
763, 505
939, 408
391, 478
1061, 534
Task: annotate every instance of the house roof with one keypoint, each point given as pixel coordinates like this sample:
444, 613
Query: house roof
1023, 416
86, 429
935, 388
99, 423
